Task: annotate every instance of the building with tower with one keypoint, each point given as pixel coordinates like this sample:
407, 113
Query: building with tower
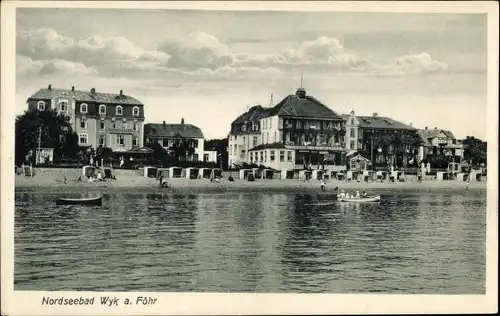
298, 132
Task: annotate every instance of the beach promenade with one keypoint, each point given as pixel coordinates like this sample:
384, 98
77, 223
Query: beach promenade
130, 180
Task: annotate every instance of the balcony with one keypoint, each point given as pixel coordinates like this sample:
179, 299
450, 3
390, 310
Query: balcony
340, 146
122, 131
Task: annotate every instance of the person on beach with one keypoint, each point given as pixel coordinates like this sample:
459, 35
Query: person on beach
342, 193
323, 185
99, 176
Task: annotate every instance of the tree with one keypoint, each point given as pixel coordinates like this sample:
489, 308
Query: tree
47, 129
220, 146
475, 150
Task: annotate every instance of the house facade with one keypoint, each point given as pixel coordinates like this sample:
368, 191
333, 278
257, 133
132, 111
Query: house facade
381, 140
111, 120
299, 132
169, 136
439, 142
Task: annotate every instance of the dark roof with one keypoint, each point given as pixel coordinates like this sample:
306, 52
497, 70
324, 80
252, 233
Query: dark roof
345, 117
139, 150
85, 96
254, 114
172, 130
305, 106
381, 122
433, 133
269, 146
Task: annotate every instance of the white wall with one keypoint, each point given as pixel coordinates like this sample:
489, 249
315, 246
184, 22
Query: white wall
269, 130
212, 155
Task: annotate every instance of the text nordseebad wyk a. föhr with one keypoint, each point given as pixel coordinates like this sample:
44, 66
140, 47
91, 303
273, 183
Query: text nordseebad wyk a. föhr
102, 300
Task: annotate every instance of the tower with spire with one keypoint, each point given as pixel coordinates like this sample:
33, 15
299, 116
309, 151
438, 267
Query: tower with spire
301, 92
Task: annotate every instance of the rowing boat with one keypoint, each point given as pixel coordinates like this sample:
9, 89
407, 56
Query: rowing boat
375, 198
82, 201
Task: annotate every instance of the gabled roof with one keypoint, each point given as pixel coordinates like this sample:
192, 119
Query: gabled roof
433, 133
172, 131
84, 96
304, 106
381, 122
254, 114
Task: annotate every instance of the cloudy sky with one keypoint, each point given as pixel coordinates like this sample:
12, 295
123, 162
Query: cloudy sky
210, 66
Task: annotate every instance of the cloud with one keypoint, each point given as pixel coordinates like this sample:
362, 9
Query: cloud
44, 44
25, 66
197, 56
417, 63
198, 50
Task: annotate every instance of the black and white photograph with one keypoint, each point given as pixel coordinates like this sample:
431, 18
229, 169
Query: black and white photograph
274, 149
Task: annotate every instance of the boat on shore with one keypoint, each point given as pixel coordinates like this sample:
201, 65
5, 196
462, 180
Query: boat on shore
81, 201
366, 199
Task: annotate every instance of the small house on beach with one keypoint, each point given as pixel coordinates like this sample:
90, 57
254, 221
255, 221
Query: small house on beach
162, 172
267, 174
287, 174
244, 173
192, 173
204, 173
305, 174
317, 174
175, 172
150, 172
216, 173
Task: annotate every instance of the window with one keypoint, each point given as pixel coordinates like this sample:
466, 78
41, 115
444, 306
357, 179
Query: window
244, 140
41, 105
102, 140
261, 156
119, 110
282, 155
255, 140
83, 123
272, 155
103, 126
353, 134
63, 106
83, 108
205, 157
270, 123
265, 156
135, 111
289, 155
83, 138
102, 109
276, 139
352, 121
120, 139
195, 157
135, 127
352, 144
134, 141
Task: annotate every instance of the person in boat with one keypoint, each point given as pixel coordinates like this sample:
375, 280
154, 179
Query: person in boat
342, 193
364, 194
357, 194
323, 185
336, 190
230, 178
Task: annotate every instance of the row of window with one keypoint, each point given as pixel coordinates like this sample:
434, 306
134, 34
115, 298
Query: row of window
254, 156
84, 108
119, 139
114, 125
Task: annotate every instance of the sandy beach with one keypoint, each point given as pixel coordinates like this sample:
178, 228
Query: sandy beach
130, 180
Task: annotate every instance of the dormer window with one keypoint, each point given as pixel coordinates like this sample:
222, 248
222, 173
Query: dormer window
135, 111
83, 108
102, 109
119, 110
41, 105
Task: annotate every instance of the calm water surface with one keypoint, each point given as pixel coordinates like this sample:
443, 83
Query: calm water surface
429, 242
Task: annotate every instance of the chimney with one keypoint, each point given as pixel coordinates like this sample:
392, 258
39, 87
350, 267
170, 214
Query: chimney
375, 114
164, 123
426, 128
352, 112
411, 124
72, 88
50, 87
435, 128
92, 90
121, 92
182, 121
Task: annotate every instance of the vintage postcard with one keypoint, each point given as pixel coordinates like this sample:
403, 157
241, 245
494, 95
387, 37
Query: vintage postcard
195, 158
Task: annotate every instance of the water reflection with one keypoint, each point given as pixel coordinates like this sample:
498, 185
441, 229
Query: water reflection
412, 242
